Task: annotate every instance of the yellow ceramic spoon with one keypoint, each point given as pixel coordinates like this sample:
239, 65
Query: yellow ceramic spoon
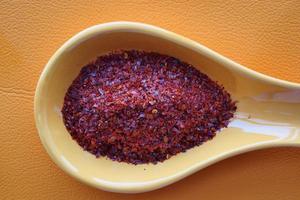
268, 109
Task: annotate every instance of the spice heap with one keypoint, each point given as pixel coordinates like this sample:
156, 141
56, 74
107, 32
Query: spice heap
143, 107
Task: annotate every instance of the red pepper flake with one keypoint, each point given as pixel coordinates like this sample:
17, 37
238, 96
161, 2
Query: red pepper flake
143, 107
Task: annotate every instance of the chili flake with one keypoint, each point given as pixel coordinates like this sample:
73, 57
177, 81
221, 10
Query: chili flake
143, 107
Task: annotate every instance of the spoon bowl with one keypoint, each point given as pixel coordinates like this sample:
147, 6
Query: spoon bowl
268, 112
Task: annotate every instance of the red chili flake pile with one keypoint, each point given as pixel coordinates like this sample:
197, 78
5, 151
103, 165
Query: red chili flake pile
143, 107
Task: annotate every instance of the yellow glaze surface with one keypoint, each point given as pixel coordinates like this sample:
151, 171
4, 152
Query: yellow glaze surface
268, 108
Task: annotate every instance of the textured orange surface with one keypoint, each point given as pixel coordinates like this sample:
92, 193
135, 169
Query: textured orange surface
262, 35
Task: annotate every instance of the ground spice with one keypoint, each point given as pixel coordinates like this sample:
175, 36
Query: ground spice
143, 107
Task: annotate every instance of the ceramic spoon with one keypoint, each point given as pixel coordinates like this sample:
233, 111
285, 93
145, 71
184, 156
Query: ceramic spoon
268, 109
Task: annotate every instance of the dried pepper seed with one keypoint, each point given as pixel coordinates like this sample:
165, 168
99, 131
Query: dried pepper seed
143, 107
154, 111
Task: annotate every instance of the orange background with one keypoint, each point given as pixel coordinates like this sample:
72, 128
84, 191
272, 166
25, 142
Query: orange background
264, 36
